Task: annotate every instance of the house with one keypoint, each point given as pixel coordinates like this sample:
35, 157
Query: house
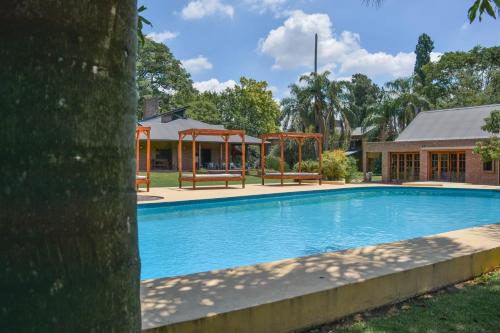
358, 136
165, 138
437, 146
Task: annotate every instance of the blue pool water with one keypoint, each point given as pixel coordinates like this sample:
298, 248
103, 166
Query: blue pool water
188, 238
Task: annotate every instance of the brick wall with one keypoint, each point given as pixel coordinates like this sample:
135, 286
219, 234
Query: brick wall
473, 164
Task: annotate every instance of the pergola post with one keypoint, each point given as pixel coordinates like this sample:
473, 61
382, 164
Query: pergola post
199, 155
282, 158
226, 142
193, 146
139, 180
179, 158
262, 158
243, 160
320, 148
148, 156
299, 142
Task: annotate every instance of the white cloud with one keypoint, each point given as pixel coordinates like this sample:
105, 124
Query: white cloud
273, 89
435, 56
465, 26
292, 46
214, 85
263, 6
161, 37
200, 8
196, 65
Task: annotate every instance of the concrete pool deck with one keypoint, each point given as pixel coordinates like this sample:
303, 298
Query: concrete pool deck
297, 293
292, 294
173, 194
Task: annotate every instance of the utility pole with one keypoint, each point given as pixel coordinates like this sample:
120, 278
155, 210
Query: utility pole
315, 54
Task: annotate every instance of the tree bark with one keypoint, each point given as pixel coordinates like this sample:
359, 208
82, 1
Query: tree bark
68, 232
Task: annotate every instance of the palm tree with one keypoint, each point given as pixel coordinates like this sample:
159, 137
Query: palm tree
68, 228
316, 87
383, 116
407, 101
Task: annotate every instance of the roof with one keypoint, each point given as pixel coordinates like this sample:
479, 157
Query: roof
169, 131
449, 124
358, 131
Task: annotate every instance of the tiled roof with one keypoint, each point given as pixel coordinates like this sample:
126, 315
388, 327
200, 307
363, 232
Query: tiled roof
449, 124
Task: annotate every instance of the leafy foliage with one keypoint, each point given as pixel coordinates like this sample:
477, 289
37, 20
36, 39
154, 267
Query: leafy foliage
161, 75
464, 78
481, 6
249, 106
423, 50
141, 21
307, 166
316, 106
335, 164
272, 162
490, 149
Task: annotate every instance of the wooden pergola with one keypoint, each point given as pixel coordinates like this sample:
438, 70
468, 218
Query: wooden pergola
227, 176
299, 138
138, 178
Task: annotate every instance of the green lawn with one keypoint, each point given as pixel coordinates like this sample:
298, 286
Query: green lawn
470, 307
169, 179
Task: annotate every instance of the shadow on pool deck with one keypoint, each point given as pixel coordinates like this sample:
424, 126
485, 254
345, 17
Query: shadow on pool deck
179, 299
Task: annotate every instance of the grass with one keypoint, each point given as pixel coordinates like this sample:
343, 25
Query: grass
472, 306
169, 179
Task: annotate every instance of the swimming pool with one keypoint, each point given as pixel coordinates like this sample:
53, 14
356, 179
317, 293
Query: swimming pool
183, 238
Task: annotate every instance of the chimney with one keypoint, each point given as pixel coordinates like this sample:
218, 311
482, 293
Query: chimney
151, 107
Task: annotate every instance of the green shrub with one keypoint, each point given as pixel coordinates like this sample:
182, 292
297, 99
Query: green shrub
352, 170
273, 163
307, 166
335, 165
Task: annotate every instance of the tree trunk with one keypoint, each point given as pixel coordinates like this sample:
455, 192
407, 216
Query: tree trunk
68, 232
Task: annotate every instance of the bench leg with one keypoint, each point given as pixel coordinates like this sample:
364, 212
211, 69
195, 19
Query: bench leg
194, 185
227, 184
281, 181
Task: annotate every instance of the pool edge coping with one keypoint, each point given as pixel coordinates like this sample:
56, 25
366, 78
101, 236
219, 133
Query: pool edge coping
146, 205
429, 265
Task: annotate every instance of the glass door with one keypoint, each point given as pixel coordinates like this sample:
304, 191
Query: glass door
449, 166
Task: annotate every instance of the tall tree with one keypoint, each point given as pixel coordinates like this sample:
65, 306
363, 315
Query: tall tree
68, 231
204, 108
407, 101
423, 50
316, 89
161, 75
464, 78
362, 94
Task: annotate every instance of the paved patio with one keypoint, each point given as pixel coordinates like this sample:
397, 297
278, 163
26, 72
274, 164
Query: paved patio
172, 194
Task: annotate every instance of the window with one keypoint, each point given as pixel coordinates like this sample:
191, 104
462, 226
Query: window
488, 166
448, 166
405, 166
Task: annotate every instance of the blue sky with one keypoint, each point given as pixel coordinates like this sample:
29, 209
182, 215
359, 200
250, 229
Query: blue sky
221, 40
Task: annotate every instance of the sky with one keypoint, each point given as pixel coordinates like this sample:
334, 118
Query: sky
218, 41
